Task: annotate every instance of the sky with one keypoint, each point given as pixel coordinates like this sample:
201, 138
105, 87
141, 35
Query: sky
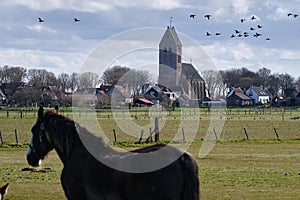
61, 45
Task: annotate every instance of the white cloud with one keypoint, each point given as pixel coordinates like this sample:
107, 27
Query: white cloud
241, 7
94, 5
55, 62
230, 54
41, 28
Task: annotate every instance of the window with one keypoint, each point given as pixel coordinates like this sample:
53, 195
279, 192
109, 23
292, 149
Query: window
179, 58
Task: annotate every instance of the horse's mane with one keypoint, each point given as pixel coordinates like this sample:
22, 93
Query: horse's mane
65, 132
61, 130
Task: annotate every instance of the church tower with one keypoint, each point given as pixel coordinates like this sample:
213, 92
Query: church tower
170, 66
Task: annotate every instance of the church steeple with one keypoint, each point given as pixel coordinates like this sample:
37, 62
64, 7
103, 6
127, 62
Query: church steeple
170, 50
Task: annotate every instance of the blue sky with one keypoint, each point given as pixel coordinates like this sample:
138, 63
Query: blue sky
60, 45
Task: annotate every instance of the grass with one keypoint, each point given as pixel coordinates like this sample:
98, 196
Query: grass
235, 170
259, 168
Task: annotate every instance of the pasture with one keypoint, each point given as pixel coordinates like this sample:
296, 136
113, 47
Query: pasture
259, 168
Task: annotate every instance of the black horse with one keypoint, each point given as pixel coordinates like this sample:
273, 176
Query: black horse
85, 177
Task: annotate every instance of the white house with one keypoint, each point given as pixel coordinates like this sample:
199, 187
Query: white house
259, 95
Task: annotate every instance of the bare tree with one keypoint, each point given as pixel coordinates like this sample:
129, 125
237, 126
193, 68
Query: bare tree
133, 79
63, 80
214, 83
12, 74
114, 74
263, 76
73, 82
273, 82
88, 80
41, 77
286, 81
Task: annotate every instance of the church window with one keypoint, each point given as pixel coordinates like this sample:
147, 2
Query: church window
179, 58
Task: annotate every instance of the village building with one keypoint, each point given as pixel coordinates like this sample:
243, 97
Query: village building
51, 95
116, 94
259, 95
181, 78
237, 98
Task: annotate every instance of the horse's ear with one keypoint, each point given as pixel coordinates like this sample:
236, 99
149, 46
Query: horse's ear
41, 113
4, 189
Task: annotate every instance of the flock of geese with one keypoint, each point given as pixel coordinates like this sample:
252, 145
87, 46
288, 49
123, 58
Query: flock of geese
42, 20
238, 33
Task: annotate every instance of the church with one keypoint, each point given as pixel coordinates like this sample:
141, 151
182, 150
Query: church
180, 77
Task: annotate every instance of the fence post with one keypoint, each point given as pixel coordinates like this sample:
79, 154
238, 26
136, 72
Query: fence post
245, 130
141, 137
115, 135
223, 136
277, 136
183, 136
1, 140
216, 135
150, 136
17, 138
156, 129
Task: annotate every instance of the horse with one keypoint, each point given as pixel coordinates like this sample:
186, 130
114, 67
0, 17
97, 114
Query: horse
3, 191
85, 176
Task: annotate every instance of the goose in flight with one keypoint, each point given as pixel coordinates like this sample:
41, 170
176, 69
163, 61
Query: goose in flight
257, 34
192, 16
207, 16
76, 19
41, 20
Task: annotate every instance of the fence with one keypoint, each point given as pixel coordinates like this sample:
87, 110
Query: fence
240, 124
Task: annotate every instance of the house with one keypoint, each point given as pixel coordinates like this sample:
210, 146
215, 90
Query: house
140, 101
121, 95
237, 98
259, 95
292, 97
85, 97
51, 95
115, 94
158, 93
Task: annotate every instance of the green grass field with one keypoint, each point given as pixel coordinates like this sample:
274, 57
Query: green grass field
259, 168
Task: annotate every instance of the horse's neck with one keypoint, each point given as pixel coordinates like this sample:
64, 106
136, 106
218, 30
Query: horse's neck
81, 143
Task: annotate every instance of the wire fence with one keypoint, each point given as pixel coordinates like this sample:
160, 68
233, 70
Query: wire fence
240, 124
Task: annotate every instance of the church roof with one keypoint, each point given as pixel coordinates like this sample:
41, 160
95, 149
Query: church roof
190, 73
170, 33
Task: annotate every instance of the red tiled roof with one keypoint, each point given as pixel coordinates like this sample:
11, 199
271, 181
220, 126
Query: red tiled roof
145, 101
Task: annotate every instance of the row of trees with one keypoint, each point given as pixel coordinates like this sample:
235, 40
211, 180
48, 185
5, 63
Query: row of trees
70, 82
218, 81
12, 77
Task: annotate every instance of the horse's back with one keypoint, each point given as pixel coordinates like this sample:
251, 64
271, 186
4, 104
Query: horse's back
98, 181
